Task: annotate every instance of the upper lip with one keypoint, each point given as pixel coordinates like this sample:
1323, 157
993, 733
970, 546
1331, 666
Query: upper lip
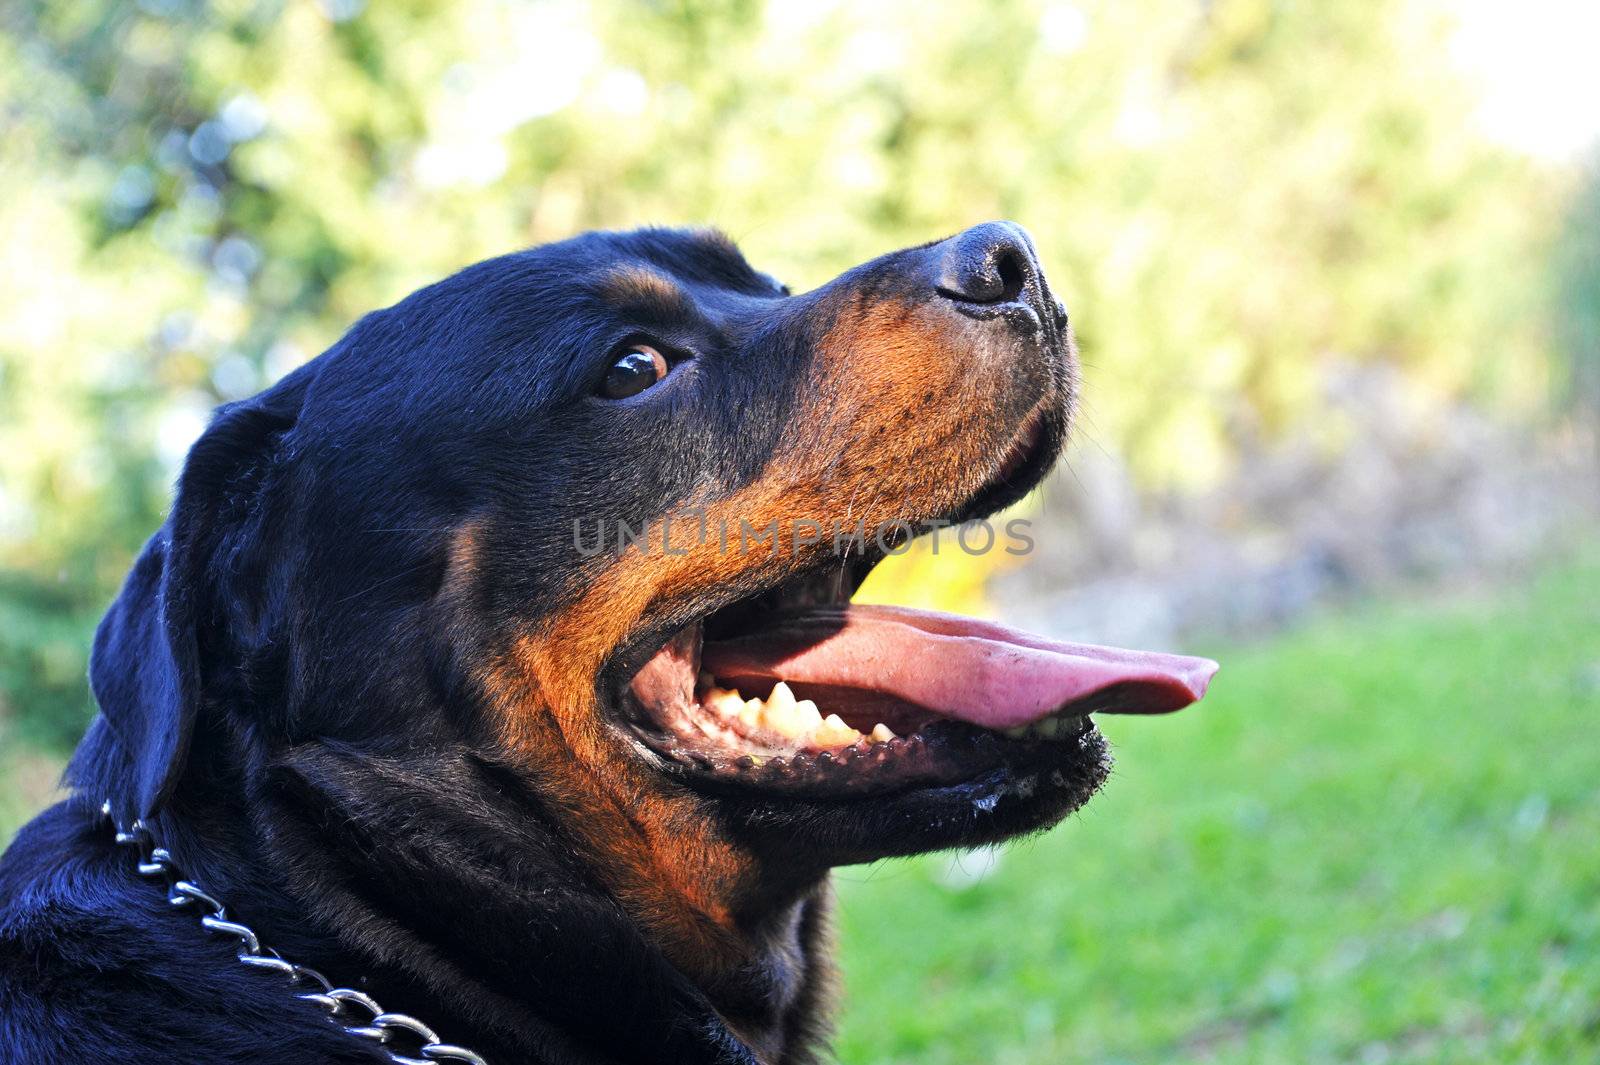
1023, 445
1022, 465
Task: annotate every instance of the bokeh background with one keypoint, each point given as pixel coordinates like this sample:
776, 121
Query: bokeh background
1335, 270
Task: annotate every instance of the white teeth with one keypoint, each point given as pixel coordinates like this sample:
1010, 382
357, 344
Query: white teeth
794, 719
833, 732
808, 714
725, 702
783, 714
880, 733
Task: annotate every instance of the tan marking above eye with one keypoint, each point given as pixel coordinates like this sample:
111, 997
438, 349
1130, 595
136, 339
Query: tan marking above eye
638, 284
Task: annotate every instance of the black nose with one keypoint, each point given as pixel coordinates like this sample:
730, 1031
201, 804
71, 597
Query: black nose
992, 265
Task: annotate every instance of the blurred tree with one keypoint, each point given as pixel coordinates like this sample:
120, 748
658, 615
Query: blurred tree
1578, 295
195, 197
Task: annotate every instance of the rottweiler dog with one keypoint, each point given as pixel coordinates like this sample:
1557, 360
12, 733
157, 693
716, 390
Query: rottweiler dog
499, 664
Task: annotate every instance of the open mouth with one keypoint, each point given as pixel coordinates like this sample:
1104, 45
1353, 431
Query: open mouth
798, 690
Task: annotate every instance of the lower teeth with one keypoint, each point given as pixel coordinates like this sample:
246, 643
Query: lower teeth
796, 720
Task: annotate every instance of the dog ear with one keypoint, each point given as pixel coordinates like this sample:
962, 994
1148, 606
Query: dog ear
145, 669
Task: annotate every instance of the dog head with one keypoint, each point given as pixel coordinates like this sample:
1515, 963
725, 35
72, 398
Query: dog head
594, 512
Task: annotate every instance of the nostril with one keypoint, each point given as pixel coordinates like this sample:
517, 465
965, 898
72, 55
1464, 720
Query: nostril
1008, 264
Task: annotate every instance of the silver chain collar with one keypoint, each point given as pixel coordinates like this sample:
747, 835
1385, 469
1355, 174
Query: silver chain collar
354, 1011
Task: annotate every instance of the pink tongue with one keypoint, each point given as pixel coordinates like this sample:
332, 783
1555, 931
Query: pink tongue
975, 671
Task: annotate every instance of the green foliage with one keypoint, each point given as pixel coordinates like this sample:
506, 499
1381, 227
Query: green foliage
1578, 294
47, 630
195, 197
1375, 840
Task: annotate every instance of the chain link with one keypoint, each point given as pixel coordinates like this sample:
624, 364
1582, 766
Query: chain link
354, 1011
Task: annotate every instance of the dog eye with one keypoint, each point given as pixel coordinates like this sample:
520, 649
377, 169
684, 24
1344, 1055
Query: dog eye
639, 367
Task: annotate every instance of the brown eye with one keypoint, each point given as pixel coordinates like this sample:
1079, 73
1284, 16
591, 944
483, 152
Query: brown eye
639, 367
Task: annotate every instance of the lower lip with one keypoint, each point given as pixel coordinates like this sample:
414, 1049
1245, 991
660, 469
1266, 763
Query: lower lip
1023, 448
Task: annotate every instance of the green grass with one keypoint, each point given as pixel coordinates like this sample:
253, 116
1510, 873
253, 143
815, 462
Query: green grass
1377, 840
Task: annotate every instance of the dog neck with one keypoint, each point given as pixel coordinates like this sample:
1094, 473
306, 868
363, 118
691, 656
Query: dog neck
749, 929
450, 890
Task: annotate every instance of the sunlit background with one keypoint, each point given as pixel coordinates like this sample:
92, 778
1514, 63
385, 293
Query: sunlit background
1335, 271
